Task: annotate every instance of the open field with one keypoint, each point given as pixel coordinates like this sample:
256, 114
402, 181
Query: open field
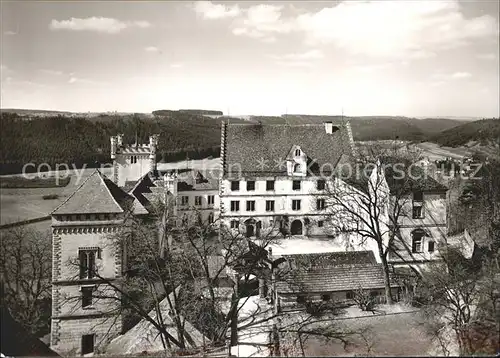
435, 152
38, 182
27, 203
22, 204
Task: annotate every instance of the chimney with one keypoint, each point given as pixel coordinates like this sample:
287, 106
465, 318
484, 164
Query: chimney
329, 127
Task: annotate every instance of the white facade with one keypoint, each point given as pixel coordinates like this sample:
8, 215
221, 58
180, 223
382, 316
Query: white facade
73, 319
132, 162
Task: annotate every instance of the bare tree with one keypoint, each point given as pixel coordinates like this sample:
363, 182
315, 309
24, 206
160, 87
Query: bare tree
193, 273
25, 262
176, 268
464, 296
365, 202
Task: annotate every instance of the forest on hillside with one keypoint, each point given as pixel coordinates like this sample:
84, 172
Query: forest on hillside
78, 141
484, 132
83, 141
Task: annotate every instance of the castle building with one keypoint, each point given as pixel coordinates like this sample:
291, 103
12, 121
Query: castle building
274, 180
131, 162
83, 256
423, 224
85, 225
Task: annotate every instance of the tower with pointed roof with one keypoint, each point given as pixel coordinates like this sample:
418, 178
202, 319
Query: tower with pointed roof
132, 162
85, 253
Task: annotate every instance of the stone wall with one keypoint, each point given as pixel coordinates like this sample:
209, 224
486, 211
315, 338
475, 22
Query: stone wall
67, 333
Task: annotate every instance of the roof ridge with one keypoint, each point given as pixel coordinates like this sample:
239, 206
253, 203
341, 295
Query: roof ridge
76, 190
138, 183
109, 190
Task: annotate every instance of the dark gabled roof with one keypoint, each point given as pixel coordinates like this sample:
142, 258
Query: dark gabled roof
335, 278
195, 180
329, 272
326, 260
415, 178
97, 194
18, 342
129, 185
401, 177
259, 148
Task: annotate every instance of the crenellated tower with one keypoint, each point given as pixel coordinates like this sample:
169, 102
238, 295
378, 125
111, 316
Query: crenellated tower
131, 162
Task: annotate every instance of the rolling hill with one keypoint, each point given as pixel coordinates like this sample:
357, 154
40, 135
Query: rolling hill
374, 127
482, 132
61, 138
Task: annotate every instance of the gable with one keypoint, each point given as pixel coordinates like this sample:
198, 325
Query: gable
296, 153
97, 194
262, 149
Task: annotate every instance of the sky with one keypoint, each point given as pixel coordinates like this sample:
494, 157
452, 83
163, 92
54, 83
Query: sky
399, 57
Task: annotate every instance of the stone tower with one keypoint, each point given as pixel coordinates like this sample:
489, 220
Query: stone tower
84, 255
131, 162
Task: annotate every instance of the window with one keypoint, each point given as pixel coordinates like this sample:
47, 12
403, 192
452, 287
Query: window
87, 263
374, 293
417, 238
295, 204
430, 246
184, 200
320, 204
321, 223
301, 299
296, 168
296, 185
88, 343
87, 296
211, 199
250, 205
235, 185
418, 212
235, 205
269, 205
197, 200
349, 295
250, 185
210, 218
320, 185
235, 224
326, 297
297, 152
269, 185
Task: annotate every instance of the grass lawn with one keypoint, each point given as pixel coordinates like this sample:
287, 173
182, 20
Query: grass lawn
19, 204
392, 331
